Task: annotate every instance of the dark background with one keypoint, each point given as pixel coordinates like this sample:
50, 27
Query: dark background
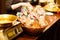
2, 6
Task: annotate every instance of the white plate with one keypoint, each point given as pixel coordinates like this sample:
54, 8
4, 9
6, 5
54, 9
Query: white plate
49, 13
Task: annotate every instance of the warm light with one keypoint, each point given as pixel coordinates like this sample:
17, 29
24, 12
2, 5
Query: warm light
5, 16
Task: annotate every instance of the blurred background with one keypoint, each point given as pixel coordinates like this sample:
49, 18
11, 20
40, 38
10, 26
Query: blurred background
33, 2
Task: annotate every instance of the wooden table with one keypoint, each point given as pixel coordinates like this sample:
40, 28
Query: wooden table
51, 20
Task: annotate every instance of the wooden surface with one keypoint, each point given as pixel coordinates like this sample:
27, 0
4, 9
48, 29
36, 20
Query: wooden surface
51, 20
